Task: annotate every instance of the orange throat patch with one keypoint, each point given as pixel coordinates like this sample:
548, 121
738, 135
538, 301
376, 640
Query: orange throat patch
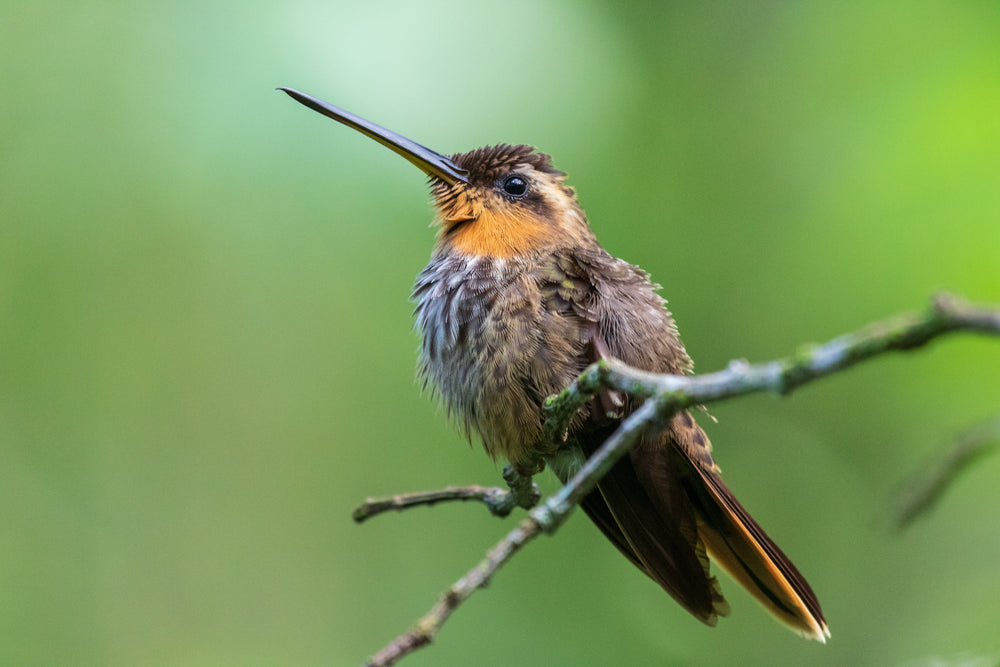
496, 235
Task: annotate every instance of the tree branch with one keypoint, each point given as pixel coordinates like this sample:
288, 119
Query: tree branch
666, 396
478, 577
924, 488
500, 502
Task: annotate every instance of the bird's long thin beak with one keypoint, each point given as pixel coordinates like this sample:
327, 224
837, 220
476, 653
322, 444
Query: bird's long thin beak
430, 162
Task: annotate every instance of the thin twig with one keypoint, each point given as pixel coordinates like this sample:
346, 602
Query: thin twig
500, 502
669, 394
922, 491
478, 577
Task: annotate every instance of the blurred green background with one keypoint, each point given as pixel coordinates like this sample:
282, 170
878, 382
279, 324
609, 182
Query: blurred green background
206, 355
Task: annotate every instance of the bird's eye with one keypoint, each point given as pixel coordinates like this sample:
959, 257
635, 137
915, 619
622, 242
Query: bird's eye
515, 186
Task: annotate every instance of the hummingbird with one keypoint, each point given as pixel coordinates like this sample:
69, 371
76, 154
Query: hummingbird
518, 298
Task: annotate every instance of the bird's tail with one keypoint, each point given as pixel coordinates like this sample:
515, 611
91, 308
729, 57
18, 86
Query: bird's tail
738, 543
667, 514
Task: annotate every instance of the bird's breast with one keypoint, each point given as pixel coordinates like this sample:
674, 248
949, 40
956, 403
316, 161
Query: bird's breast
492, 346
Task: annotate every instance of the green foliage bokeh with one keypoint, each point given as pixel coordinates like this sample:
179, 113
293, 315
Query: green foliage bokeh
206, 355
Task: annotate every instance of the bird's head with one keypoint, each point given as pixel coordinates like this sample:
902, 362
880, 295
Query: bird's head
499, 201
